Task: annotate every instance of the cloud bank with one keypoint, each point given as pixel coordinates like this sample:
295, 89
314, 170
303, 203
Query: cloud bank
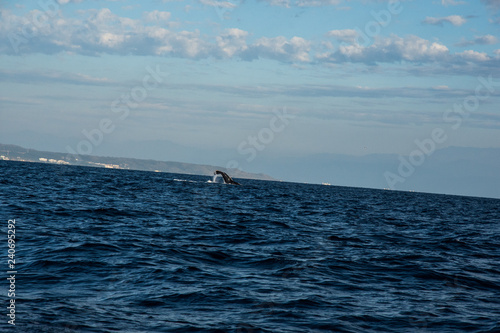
455, 20
96, 32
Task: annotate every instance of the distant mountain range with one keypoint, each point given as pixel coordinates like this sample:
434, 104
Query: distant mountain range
17, 153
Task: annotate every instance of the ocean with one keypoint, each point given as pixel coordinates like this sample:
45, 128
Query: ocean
102, 250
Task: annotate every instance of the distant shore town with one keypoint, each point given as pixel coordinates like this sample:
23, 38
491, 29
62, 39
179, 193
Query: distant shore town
54, 161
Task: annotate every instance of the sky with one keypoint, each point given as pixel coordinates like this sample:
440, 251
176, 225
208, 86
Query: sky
242, 80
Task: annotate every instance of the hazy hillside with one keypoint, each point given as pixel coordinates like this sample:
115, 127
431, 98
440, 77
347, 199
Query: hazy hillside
14, 152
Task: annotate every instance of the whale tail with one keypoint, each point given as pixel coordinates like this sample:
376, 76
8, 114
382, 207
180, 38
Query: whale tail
227, 179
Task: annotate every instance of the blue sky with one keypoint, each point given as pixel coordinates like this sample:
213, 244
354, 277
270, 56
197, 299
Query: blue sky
232, 64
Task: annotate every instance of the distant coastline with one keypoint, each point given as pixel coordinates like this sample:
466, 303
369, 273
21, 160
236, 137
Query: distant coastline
18, 153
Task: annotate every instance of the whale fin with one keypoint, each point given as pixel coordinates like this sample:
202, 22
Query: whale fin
227, 179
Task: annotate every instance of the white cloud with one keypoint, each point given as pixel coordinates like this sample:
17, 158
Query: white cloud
101, 31
64, 2
419, 56
443, 87
281, 48
452, 2
156, 16
320, 3
43, 77
281, 3
303, 3
317, 3
456, 20
232, 41
111, 40
475, 56
219, 4
391, 49
345, 35
480, 40
96, 32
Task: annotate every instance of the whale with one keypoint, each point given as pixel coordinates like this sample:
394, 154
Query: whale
227, 179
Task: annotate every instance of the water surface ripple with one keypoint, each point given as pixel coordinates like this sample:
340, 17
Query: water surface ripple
103, 250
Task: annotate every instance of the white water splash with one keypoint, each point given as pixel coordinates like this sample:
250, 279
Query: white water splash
216, 179
185, 180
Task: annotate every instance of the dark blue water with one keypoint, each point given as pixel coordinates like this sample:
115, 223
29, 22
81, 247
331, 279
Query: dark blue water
127, 251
